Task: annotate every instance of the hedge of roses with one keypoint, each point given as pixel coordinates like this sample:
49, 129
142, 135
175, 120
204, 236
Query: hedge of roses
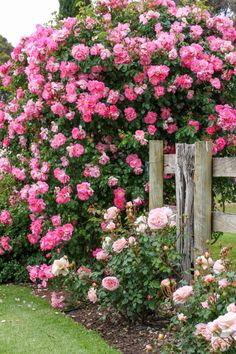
88, 95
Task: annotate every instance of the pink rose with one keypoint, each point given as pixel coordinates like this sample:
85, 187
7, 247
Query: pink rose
119, 245
223, 283
165, 282
157, 219
152, 129
101, 256
111, 213
226, 324
221, 344
130, 114
132, 240
219, 266
181, 295
231, 308
57, 301
92, 295
84, 191
33, 239
110, 283
204, 330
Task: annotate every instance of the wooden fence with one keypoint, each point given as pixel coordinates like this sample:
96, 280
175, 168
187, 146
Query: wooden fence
194, 167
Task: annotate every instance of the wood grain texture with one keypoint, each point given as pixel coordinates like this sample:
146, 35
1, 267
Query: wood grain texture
169, 164
202, 195
224, 222
224, 167
184, 202
156, 158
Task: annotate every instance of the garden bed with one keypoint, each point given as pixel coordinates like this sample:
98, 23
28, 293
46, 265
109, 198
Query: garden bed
116, 331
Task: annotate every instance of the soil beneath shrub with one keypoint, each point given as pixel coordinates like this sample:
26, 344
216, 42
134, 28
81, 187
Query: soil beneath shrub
129, 339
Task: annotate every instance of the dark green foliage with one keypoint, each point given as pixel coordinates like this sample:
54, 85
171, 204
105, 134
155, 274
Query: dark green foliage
67, 8
5, 50
71, 8
13, 264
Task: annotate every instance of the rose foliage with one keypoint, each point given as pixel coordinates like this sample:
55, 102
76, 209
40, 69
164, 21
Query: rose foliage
88, 94
136, 254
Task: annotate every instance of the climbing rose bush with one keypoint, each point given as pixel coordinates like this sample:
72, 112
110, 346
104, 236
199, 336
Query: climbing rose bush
88, 95
133, 259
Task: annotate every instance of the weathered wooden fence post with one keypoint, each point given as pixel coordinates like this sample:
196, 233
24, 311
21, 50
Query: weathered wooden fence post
184, 203
202, 196
156, 159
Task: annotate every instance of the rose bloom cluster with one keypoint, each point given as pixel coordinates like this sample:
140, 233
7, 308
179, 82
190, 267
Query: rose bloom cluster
84, 106
210, 296
120, 240
112, 245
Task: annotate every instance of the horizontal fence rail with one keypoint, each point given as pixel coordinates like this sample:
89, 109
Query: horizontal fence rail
221, 166
224, 222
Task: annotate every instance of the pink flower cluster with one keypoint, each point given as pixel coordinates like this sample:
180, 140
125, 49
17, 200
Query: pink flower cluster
4, 245
84, 191
135, 162
221, 332
40, 273
55, 237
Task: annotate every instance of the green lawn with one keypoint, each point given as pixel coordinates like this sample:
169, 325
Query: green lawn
28, 325
226, 239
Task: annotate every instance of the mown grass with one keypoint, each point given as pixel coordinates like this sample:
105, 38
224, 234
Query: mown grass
28, 325
227, 238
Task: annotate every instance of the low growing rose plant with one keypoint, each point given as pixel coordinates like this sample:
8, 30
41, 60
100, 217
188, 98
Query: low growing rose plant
205, 311
137, 253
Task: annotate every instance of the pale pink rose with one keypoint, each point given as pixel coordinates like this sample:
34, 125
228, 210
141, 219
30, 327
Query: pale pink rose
204, 330
181, 295
219, 266
101, 256
110, 283
220, 344
119, 245
92, 295
111, 213
226, 324
157, 219
223, 283
132, 240
231, 308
